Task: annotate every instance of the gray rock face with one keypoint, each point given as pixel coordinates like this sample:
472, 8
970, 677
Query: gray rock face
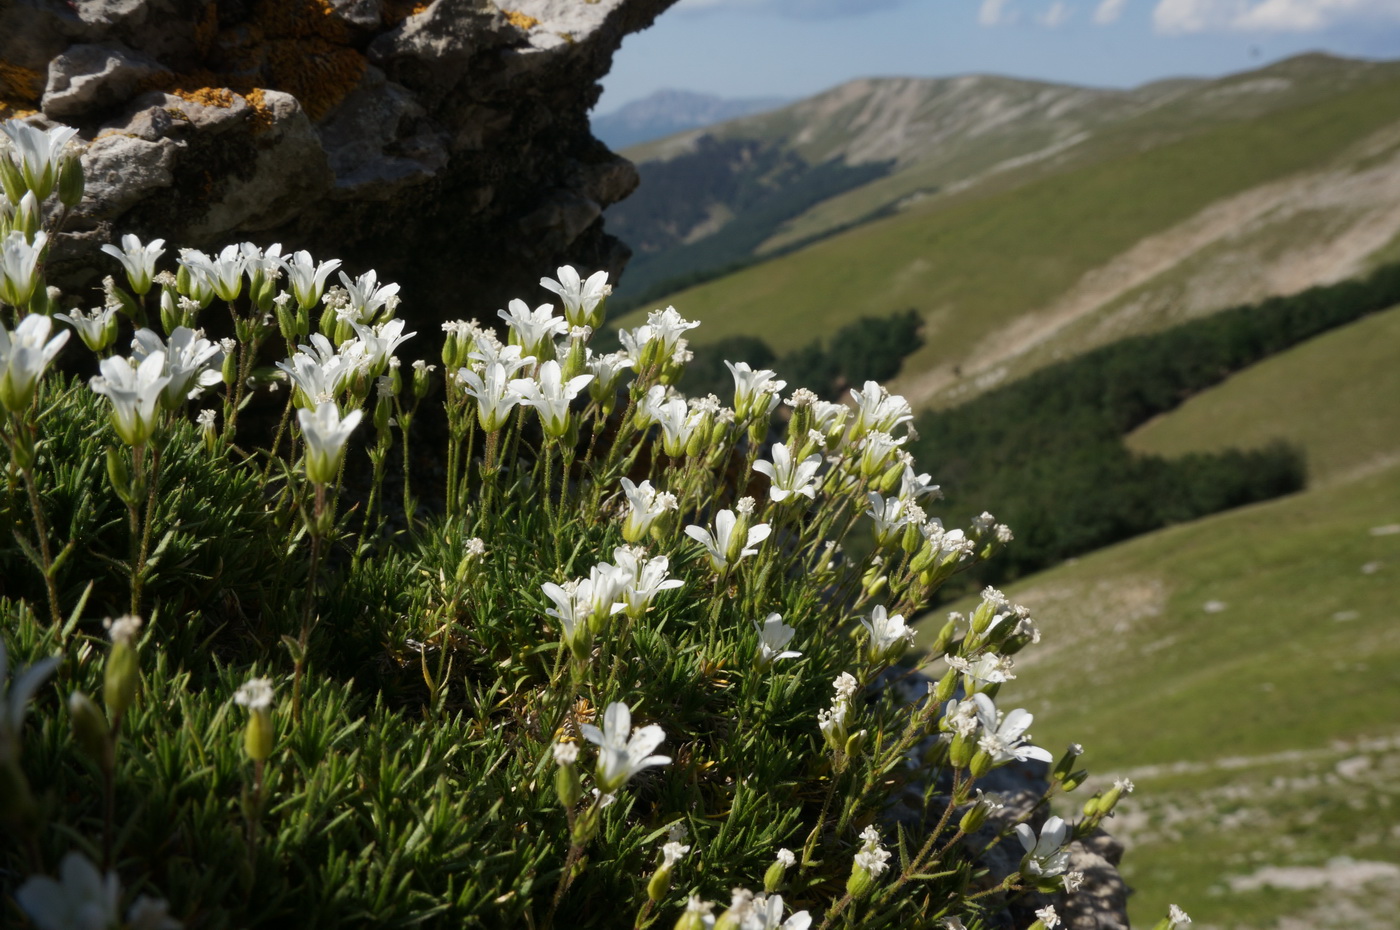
1100, 903
444, 143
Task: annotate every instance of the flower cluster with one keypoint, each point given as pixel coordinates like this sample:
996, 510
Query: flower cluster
597, 547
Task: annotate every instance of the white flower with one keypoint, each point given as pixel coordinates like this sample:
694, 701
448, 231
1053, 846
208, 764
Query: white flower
308, 279
40, 153
226, 272
832, 722
719, 543
319, 373
646, 579
196, 277
667, 327
326, 434
24, 354
877, 448
623, 752
1176, 917
206, 419
550, 395
606, 369
19, 265
988, 667
872, 857
674, 418
191, 361
1072, 881
14, 699
495, 394
532, 329
565, 753
135, 394
765, 912
658, 340
790, 477
254, 694
97, 328
756, 393
1047, 855
82, 898
786, 858
572, 607
581, 298
877, 410
889, 635
673, 852
1005, 739
773, 638
890, 516
380, 342
138, 260
123, 630
645, 505
366, 296
1048, 917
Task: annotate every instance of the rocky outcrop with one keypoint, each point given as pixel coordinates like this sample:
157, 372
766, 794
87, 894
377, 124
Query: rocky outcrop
1101, 900
445, 144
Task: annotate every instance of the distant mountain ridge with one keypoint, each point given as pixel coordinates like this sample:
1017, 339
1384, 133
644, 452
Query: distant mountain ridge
671, 111
1025, 221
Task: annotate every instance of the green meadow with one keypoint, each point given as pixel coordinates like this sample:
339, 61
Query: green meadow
1244, 669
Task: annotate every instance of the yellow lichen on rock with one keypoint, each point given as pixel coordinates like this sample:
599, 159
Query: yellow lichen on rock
521, 20
317, 73
220, 97
19, 86
262, 115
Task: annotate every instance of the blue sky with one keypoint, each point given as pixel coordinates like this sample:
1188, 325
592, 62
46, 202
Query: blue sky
794, 48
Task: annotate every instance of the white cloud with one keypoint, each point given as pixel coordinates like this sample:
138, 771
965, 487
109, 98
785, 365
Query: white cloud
1108, 12
1056, 15
1182, 16
996, 13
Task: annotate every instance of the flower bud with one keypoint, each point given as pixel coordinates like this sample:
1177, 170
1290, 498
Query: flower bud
974, 818
856, 743
773, 878
860, 881
71, 182
1066, 763
660, 883
945, 637
170, 314
1075, 779
122, 676
11, 179
567, 785
90, 730
981, 763
260, 734
961, 751
230, 368
946, 686
586, 825
1091, 806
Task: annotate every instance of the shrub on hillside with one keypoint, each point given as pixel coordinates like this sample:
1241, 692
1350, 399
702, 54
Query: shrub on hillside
624, 677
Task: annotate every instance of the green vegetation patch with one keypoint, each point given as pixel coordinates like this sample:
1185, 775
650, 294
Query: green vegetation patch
1336, 397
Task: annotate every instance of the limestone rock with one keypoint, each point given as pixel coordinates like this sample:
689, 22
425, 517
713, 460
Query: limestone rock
90, 78
1101, 903
445, 144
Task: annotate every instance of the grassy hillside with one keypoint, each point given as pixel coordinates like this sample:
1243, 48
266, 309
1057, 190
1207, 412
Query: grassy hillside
1244, 669
1334, 396
999, 270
